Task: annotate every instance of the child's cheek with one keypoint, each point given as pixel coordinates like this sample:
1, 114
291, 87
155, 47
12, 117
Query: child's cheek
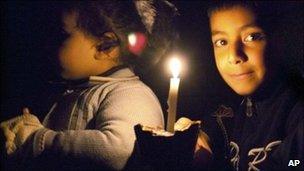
220, 60
220, 66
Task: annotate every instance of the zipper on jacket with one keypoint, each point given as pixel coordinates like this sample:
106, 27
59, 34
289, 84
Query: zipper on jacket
249, 110
224, 131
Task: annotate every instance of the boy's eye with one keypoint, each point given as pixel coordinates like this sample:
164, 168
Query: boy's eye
220, 43
254, 37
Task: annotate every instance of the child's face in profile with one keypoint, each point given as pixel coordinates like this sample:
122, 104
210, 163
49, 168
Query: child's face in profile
239, 48
78, 56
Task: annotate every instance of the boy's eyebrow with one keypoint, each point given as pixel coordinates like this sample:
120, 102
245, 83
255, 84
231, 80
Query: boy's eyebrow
248, 25
215, 32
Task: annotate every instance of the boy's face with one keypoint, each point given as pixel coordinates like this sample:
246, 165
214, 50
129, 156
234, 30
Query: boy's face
239, 48
78, 56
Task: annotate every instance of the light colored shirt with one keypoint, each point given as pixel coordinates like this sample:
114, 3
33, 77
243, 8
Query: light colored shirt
96, 120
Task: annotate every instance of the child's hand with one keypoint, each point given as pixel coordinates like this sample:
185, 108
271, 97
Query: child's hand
184, 123
203, 153
17, 130
202, 142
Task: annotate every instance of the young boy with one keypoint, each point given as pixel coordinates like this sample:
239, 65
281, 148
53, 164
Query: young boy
267, 130
91, 125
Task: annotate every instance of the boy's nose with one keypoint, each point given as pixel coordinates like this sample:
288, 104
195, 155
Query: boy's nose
236, 54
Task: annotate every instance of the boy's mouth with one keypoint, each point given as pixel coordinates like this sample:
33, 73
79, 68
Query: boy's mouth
242, 75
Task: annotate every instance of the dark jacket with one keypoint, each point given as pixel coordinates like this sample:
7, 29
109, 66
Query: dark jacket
264, 133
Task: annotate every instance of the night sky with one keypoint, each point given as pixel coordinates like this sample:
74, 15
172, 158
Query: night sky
25, 71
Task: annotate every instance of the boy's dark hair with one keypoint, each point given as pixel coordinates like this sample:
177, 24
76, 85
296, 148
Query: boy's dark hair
221, 5
121, 17
267, 14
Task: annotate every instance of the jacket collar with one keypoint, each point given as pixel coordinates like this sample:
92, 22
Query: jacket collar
264, 97
118, 73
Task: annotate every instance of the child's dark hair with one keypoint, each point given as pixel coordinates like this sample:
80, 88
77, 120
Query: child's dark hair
121, 17
267, 15
222, 5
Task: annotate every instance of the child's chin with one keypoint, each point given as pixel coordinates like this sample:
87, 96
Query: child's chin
244, 91
65, 76
69, 76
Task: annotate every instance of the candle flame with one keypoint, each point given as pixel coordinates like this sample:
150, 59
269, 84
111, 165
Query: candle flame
175, 67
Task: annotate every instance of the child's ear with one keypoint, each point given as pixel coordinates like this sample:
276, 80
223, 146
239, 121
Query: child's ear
110, 35
108, 47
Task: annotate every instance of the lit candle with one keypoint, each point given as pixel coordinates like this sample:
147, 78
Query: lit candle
175, 67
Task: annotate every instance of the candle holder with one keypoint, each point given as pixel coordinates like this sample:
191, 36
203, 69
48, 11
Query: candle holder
174, 152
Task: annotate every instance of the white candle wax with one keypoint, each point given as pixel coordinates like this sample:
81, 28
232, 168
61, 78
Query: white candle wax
172, 103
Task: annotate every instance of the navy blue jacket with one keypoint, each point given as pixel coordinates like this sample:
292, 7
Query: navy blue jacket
264, 133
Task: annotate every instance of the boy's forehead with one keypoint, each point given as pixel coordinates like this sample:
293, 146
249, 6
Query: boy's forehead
231, 19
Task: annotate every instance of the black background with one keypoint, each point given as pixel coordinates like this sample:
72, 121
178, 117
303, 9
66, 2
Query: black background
25, 71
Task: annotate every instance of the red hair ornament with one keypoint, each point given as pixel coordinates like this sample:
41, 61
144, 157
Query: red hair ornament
136, 42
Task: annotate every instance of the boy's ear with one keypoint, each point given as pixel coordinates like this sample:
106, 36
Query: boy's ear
108, 46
